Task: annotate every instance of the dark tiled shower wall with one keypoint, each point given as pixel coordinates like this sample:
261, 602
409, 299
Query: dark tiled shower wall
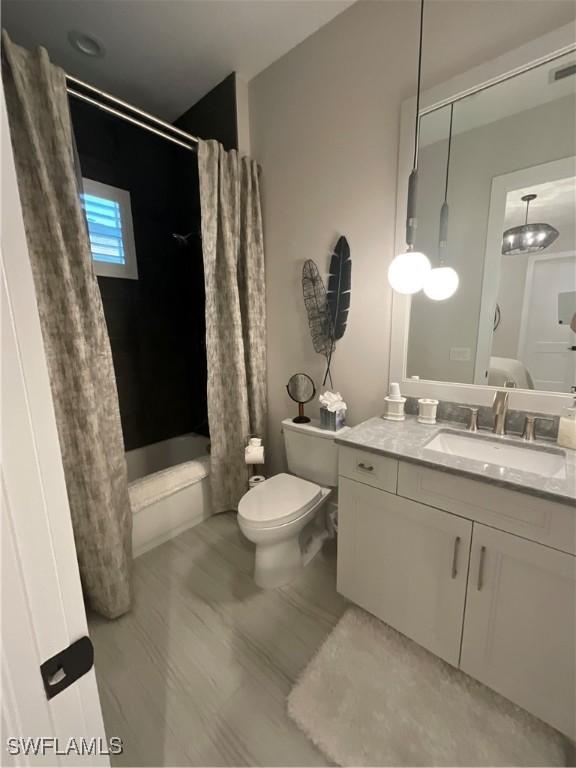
214, 115
156, 323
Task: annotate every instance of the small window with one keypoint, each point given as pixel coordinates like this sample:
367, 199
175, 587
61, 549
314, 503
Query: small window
109, 217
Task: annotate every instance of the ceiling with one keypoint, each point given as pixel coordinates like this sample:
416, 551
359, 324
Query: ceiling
163, 55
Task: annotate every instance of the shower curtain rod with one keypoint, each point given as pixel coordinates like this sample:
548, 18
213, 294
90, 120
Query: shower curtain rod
107, 108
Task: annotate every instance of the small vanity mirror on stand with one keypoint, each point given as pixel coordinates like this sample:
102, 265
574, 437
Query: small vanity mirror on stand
301, 389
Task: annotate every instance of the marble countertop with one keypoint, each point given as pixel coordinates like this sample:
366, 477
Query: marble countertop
407, 440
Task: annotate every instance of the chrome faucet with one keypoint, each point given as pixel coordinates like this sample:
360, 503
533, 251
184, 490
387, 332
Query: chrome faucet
500, 409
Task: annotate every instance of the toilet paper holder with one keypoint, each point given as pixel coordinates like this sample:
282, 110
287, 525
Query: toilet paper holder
254, 451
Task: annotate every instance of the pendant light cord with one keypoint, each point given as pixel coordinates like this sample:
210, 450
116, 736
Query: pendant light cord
527, 206
449, 152
411, 222
417, 128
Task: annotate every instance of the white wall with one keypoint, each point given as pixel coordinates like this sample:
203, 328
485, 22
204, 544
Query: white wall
243, 115
324, 125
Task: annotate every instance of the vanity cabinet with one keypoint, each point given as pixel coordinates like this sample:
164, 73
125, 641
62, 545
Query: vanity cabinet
368, 468
405, 563
490, 601
520, 624
532, 517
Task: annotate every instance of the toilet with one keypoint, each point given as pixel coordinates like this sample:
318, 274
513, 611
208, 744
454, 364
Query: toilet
277, 514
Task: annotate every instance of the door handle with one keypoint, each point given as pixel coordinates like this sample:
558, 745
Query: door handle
455, 557
56, 678
367, 467
480, 583
66, 667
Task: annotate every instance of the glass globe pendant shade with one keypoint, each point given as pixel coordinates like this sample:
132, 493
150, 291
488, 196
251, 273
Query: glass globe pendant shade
528, 238
441, 283
408, 272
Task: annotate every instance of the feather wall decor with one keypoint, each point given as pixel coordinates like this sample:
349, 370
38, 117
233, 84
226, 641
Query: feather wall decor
328, 309
317, 310
338, 294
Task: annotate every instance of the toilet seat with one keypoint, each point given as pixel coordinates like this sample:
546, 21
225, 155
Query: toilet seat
279, 500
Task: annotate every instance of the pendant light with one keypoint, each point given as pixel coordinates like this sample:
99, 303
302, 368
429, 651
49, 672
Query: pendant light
442, 281
408, 271
528, 238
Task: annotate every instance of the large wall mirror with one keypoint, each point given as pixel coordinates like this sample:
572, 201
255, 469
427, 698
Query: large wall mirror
503, 158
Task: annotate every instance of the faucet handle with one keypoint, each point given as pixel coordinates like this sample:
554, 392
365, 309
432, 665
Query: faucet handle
473, 420
529, 433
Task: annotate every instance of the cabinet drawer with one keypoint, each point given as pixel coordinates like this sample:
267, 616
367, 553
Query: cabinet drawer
547, 522
368, 468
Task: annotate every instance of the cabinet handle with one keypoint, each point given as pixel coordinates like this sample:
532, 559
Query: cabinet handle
367, 467
481, 569
455, 557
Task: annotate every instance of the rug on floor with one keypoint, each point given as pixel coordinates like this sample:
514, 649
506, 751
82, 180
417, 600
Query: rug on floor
372, 697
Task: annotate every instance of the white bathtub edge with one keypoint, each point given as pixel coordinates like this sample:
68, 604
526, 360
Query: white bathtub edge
168, 517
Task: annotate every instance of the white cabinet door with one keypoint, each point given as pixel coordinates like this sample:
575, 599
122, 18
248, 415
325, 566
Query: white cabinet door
406, 563
520, 626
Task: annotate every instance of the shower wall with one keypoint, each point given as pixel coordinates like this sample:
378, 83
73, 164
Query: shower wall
156, 323
214, 116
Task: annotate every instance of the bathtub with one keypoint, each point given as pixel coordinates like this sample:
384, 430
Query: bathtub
169, 489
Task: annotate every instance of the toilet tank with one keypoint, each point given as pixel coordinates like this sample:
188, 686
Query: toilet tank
311, 452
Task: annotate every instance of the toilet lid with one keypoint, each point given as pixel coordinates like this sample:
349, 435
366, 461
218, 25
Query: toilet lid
278, 500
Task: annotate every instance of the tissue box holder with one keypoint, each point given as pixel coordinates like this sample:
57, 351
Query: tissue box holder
332, 420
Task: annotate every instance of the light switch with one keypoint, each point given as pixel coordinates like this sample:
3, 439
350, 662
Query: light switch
460, 354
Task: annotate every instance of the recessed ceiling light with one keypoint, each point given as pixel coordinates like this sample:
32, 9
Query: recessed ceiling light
86, 44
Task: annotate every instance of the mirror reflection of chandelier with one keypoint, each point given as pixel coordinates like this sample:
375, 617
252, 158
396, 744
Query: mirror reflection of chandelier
528, 238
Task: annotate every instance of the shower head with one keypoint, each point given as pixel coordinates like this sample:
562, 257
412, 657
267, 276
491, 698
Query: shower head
182, 239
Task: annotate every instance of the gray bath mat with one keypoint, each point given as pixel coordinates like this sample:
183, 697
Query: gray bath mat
371, 697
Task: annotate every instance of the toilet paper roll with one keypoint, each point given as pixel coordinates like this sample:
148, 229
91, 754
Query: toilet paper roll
254, 454
255, 480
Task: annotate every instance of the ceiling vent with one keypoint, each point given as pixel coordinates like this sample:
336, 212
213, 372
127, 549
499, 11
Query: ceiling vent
562, 73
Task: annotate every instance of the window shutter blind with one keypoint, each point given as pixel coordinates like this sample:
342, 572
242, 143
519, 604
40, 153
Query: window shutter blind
104, 228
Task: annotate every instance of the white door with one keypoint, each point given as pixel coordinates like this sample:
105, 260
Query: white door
406, 563
520, 624
42, 607
548, 348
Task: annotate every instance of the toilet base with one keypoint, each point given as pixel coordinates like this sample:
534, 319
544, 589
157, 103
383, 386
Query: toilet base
277, 563
283, 551
314, 545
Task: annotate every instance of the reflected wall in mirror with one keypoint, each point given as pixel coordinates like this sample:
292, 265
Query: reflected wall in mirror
511, 321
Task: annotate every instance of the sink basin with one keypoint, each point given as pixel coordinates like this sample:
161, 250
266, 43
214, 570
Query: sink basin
500, 453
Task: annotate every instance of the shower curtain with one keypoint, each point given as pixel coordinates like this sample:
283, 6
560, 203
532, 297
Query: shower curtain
233, 251
73, 326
